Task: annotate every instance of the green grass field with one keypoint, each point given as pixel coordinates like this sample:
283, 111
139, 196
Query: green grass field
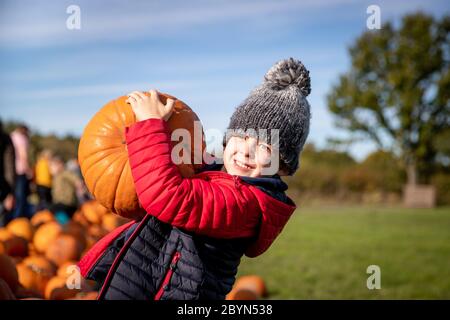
324, 253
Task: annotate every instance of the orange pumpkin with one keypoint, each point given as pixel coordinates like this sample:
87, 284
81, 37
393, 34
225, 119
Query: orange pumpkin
79, 217
92, 295
31, 249
8, 272
75, 228
45, 234
97, 231
63, 270
112, 221
64, 248
103, 157
5, 291
78, 231
21, 227
5, 234
93, 211
40, 262
253, 283
27, 294
35, 272
15, 246
57, 289
241, 294
42, 217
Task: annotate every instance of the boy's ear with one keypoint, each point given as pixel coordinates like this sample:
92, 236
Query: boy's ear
282, 172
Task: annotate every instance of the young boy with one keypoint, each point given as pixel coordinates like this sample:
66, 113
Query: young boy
196, 230
65, 187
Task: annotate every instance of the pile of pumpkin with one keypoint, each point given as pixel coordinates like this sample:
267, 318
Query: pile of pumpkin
37, 255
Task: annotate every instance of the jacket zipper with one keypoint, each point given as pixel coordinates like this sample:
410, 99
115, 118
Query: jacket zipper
120, 255
168, 275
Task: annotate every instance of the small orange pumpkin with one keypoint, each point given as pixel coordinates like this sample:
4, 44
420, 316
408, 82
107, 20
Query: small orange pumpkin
15, 246
64, 248
8, 272
5, 234
253, 283
103, 154
93, 211
97, 231
5, 291
57, 289
63, 270
94, 233
45, 234
74, 228
21, 227
112, 221
241, 294
31, 249
27, 294
79, 217
78, 231
35, 272
92, 295
42, 217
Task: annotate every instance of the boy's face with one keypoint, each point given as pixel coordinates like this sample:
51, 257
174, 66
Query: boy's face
56, 167
246, 156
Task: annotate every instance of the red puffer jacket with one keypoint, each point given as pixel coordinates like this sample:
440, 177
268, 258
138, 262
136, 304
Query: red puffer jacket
212, 203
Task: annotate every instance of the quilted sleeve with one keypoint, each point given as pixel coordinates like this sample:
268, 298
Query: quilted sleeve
215, 209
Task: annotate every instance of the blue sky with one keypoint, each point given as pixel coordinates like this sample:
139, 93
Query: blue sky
210, 54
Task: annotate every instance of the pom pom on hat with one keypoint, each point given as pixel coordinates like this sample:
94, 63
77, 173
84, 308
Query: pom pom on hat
289, 72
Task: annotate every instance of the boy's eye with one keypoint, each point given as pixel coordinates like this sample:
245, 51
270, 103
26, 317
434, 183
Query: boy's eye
264, 147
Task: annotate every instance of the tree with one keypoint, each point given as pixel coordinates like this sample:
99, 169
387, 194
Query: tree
397, 90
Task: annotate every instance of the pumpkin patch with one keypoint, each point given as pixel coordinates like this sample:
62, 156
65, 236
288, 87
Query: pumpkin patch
37, 255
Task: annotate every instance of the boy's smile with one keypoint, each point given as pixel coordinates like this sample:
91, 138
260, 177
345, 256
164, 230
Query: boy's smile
242, 165
246, 156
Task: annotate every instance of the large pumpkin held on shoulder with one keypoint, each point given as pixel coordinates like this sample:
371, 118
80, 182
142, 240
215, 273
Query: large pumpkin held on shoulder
103, 156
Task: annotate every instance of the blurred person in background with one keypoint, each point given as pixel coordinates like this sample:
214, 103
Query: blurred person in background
65, 185
7, 175
43, 179
21, 141
82, 192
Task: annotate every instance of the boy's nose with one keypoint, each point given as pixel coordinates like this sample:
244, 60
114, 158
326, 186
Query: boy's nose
249, 147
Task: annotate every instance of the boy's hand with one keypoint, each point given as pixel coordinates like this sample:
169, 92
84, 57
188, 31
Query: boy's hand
149, 107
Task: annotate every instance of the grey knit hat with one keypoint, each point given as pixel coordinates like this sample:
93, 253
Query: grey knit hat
278, 103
